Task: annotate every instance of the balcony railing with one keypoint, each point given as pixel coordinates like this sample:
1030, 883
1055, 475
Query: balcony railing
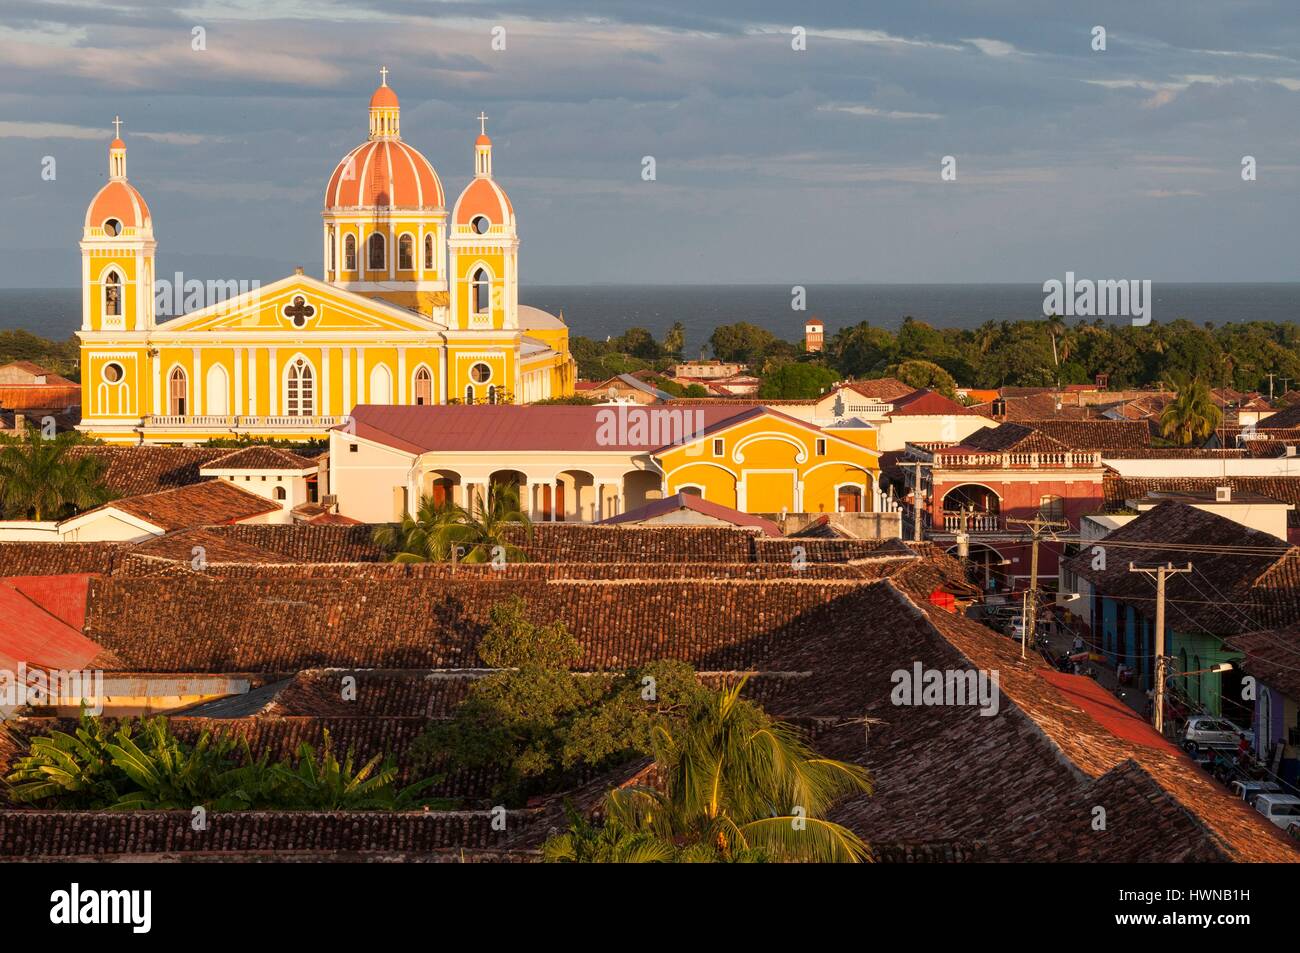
239, 423
975, 522
988, 460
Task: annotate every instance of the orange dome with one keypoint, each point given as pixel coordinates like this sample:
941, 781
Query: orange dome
384, 96
483, 197
483, 140
118, 199
117, 144
384, 173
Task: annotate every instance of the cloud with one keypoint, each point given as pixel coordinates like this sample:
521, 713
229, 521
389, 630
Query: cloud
49, 130
873, 112
994, 47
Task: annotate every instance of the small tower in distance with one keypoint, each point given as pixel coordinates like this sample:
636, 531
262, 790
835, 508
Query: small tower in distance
814, 335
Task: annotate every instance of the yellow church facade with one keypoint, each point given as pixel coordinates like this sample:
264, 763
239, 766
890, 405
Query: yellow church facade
417, 307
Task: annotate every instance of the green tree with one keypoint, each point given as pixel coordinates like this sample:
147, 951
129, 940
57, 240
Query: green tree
40, 480
675, 341
736, 786
1192, 415
796, 381
440, 531
861, 351
924, 374
741, 342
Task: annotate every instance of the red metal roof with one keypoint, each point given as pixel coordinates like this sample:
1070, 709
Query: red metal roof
36, 636
927, 402
550, 427
1107, 710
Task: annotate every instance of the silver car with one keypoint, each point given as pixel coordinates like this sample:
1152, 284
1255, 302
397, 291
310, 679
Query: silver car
1211, 731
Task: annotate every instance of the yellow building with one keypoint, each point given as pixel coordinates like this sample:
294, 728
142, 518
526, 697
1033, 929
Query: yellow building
414, 309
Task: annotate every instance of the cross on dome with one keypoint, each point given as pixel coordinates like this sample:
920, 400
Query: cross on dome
383, 76
117, 127
482, 123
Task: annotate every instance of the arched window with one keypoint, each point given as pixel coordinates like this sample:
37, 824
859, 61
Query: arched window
492, 393
1051, 508
376, 252
349, 253
300, 390
469, 393
423, 386
480, 292
381, 385
176, 393
279, 493
113, 294
406, 253
428, 253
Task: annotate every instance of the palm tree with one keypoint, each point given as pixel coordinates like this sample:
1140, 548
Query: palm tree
736, 786
1192, 415
40, 481
442, 531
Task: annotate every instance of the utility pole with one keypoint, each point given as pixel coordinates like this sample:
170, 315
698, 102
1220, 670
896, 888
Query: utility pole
917, 498
1270, 387
1038, 528
1159, 572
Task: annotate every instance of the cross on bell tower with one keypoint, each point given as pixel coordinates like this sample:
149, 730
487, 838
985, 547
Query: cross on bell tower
482, 123
383, 76
117, 127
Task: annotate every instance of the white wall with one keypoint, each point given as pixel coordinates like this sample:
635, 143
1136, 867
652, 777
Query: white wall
896, 432
363, 480
28, 531
1203, 467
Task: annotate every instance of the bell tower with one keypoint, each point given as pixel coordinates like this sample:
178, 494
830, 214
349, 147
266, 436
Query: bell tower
484, 250
117, 253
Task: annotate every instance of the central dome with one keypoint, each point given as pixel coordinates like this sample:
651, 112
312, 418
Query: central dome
384, 174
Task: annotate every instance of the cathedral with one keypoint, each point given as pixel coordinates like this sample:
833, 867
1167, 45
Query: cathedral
415, 308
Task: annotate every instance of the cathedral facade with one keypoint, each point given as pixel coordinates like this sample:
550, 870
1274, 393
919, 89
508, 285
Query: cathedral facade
416, 307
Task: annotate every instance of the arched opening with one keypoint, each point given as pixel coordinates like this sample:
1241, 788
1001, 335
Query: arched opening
349, 253
512, 483
423, 389
442, 487
1051, 508
977, 507
691, 490
428, 253
469, 394
848, 499
279, 493
492, 394
375, 252
177, 393
300, 390
406, 253
984, 567
481, 292
113, 295
576, 499
639, 488
381, 385
216, 391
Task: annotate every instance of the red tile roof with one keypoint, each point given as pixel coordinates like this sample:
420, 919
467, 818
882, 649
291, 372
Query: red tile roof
200, 504
261, 458
690, 501
928, 403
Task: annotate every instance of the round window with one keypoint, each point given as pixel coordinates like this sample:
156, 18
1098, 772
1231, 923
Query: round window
480, 373
112, 227
481, 225
113, 373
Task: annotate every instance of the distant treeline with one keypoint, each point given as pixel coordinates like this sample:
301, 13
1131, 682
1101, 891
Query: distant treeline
1040, 353
61, 357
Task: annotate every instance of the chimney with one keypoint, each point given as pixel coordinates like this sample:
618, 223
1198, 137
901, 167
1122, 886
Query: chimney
1223, 494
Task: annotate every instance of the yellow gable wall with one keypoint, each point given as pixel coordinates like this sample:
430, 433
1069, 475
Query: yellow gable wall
768, 465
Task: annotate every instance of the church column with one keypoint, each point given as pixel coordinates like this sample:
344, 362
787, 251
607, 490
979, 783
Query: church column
326, 360
361, 375
196, 395
272, 390
252, 382
238, 407
155, 361
442, 373
392, 252
347, 380
401, 375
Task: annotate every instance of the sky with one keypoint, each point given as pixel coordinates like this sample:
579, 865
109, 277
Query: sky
772, 165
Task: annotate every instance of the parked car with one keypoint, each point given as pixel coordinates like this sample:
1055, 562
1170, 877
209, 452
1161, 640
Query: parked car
1248, 791
1281, 809
1015, 627
1210, 731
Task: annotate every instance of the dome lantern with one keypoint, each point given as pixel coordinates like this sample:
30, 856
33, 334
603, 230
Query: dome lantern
385, 110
